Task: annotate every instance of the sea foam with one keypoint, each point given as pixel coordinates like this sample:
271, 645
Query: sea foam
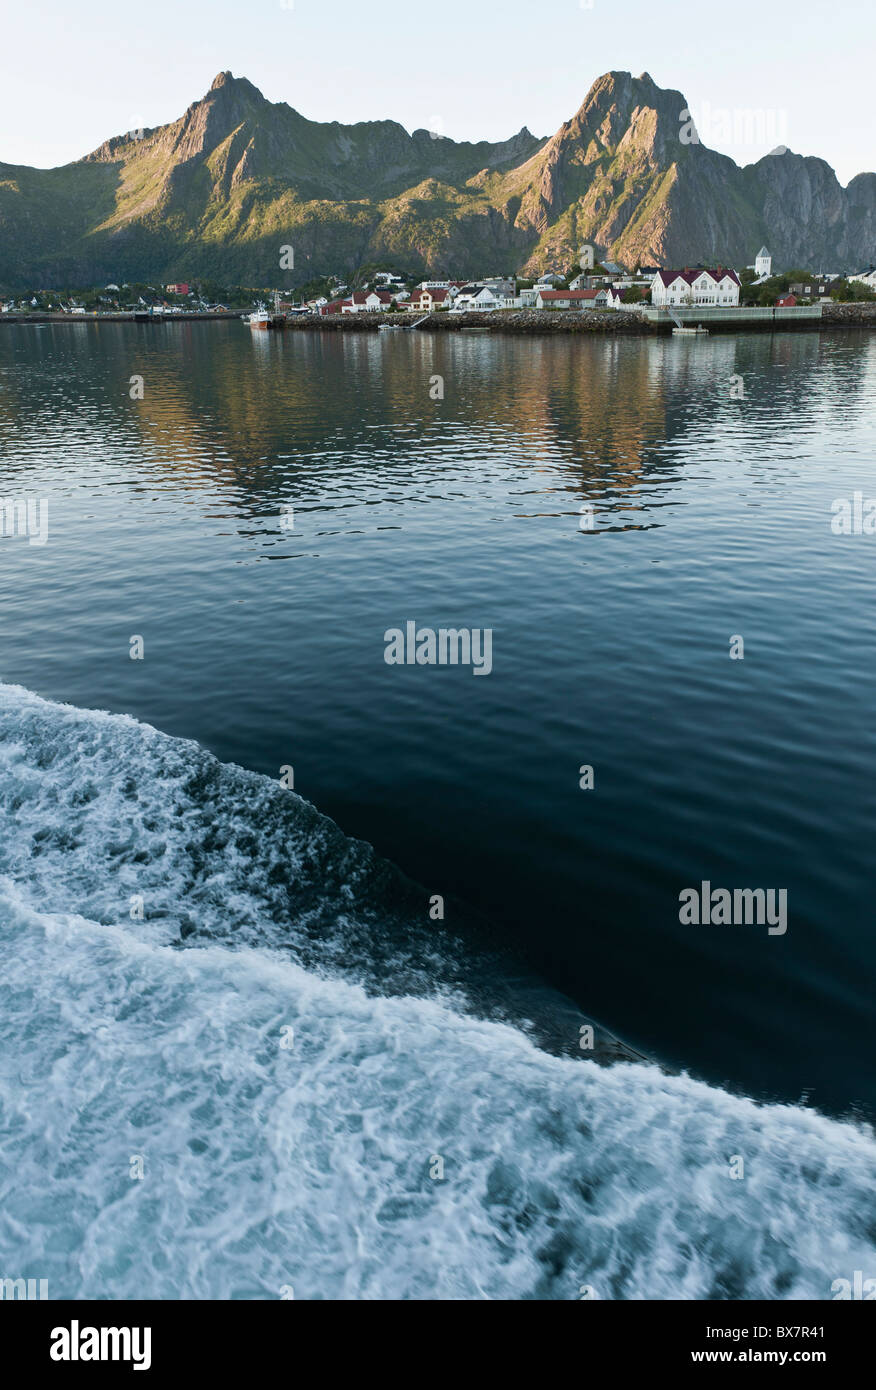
296, 1129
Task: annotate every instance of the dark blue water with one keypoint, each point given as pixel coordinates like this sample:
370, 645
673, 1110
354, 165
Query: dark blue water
610, 647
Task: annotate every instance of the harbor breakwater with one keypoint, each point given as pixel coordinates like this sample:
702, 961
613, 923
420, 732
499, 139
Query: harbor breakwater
520, 321
607, 321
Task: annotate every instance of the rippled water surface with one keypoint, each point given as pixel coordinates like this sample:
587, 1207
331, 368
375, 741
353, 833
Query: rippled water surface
265, 645
712, 518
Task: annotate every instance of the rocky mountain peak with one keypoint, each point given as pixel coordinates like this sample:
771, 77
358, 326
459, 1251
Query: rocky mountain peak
230, 102
236, 86
617, 174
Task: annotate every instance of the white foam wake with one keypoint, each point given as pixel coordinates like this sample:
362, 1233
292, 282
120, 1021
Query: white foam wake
398, 1149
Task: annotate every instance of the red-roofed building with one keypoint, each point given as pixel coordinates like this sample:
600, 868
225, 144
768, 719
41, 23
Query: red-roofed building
571, 299
695, 287
177, 289
367, 301
424, 301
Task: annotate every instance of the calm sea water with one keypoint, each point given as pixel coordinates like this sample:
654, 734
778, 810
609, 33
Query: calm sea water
611, 647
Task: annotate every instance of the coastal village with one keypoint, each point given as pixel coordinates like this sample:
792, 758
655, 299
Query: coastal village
594, 284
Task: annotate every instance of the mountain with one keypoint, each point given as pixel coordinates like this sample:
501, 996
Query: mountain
218, 192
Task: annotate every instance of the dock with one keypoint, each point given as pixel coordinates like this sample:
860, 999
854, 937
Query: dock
140, 316
728, 320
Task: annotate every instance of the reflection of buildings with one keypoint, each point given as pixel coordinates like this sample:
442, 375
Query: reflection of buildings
255, 422
591, 416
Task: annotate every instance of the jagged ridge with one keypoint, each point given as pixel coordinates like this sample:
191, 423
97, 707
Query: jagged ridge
218, 191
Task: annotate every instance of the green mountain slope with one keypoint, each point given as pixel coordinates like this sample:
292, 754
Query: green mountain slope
220, 191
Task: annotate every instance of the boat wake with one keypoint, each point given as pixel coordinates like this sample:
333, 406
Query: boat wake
276, 1079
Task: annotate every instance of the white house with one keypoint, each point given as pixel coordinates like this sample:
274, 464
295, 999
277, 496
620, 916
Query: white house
866, 277
698, 288
476, 299
571, 299
367, 301
423, 301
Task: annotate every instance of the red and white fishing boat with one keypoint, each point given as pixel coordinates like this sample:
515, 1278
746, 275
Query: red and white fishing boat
262, 318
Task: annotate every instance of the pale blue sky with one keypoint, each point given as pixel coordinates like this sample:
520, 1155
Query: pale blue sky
76, 73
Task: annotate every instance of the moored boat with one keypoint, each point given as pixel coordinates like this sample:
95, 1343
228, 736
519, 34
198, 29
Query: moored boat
262, 318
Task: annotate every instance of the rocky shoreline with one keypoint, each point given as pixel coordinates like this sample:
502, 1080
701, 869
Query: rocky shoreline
520, 321
532, 321
849, 313
504, 321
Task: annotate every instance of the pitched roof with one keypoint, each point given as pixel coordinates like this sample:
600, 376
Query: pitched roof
667, 276
570, 294
762, 252
362, 296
